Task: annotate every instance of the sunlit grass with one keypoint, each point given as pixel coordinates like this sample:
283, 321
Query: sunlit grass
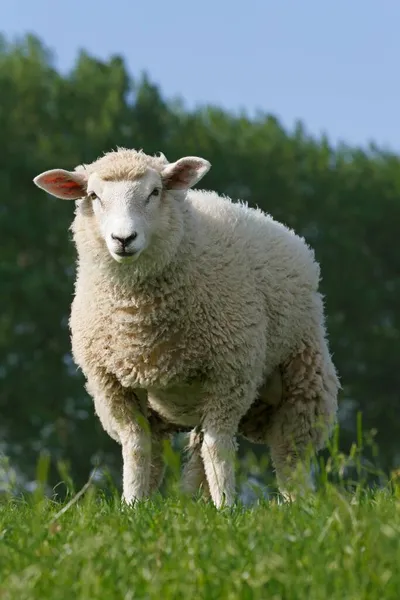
336, 544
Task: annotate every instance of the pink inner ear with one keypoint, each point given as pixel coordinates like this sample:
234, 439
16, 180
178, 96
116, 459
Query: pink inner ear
61, 184
184, 174
181, 176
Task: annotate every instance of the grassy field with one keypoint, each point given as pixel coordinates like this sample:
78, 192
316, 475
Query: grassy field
333, 545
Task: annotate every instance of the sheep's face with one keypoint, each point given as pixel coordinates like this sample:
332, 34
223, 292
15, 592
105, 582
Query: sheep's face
129, 212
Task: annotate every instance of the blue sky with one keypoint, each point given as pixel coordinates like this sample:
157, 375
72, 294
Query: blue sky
334, 64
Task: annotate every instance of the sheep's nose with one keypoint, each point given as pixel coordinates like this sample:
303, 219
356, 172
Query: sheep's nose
124, 241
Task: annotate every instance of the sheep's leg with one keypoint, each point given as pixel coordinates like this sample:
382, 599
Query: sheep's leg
122, 414
136, 454
253, 425
218, 449
305, 418
218, 452
157, 464
161, 431
194, 476
136, 439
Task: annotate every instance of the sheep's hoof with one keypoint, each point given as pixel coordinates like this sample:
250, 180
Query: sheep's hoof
130, 502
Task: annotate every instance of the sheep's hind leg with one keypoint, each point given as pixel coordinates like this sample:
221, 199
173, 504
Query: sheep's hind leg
157, 469
304, 420
193, 475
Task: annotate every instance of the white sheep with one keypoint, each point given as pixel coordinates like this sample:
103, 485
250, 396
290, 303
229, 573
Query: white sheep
186, 304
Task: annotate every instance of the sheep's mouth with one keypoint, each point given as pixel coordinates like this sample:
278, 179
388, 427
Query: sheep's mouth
125, 256
125, 253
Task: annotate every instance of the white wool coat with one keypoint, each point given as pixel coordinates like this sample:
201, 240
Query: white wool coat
237, 298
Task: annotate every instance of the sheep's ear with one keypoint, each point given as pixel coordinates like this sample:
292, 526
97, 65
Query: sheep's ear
62, 184
185, 172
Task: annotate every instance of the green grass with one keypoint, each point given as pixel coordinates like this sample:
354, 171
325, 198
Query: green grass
333, 545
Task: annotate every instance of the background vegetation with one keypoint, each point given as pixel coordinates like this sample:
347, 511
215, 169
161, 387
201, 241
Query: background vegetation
345, 201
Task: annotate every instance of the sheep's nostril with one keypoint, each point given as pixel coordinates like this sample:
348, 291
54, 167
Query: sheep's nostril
130, 238
124, 241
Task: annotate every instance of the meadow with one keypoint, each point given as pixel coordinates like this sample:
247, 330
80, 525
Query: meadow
338, 543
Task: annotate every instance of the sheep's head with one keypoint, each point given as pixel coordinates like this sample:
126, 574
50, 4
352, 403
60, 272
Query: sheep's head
128, 192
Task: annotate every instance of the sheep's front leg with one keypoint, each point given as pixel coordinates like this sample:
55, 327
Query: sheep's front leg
122, 413
136, 443
218, 450
136, 454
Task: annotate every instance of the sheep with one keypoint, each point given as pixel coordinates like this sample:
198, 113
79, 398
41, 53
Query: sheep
194, 312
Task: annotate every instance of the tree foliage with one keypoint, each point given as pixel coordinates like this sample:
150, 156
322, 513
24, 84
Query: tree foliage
345, 201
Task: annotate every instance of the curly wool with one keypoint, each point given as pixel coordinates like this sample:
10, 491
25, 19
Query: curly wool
123, 163
228, 298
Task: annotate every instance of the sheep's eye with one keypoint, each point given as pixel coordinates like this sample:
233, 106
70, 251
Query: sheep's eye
93, 196
154, 194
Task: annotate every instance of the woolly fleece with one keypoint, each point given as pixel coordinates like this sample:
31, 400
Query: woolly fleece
189, 335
